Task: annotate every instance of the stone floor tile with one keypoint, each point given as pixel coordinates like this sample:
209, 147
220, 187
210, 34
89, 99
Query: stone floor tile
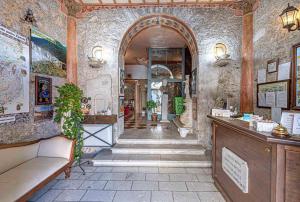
132, 196
204, 178
157, 177
148, 169
183, 177
195, 170
161, 196
185, 197
68, 184
75, 176
51, 195
85, 176
172, 170
125, 169
113, 176
145, 185
94, 176
70, 195
92, 184
172, 186
211, 197
136, 176
99, 195
42, 191
103, 169
118, 185
201, 186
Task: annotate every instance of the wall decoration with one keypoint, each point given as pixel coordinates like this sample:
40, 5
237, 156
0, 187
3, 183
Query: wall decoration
121, 106
272, 65
43, 90
122, 82
296, 77
48, 55
14, 72
42, 113
194, 82
274, 94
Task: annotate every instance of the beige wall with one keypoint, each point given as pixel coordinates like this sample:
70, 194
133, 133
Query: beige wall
271, 40
51, 21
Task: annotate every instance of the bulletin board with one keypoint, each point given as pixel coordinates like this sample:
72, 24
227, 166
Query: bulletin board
274, 94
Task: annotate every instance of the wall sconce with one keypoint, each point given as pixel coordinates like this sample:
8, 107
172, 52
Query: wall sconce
290, 19
28, 17
96, 61
221, 54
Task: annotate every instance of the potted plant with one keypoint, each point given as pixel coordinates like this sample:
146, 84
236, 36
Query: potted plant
151, 106
69, 113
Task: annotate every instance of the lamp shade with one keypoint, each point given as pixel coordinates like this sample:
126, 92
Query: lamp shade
220, 50
97, 53
289, 18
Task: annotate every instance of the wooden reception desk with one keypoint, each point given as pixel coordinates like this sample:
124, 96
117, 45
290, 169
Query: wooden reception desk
273, 163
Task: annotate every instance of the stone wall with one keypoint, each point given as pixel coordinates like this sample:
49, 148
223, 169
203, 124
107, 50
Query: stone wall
209, 25
51, 21
271, 40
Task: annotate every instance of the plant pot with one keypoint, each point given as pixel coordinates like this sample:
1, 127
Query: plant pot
154, 117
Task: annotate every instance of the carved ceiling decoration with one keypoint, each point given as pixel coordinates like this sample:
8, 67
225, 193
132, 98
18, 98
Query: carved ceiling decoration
161, 20
78, 8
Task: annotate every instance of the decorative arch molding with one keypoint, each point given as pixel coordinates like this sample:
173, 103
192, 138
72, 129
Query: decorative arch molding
162, 20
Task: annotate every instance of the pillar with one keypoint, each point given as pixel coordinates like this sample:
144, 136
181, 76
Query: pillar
246, 100
71, 50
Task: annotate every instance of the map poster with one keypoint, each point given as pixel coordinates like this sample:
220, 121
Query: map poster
48, 56
14, 73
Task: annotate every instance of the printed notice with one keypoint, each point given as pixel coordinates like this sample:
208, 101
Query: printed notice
281, 99
270, 99
262, 99
296, 124
261, 76
284, 71
276, 114
287, 121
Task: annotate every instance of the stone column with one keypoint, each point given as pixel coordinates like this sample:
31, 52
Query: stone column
72, 50
246, 100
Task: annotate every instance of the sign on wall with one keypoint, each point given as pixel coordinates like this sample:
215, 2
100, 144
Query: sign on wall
236, 169
14, 72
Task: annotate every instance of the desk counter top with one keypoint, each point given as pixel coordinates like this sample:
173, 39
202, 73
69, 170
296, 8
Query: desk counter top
243, 126
100, 119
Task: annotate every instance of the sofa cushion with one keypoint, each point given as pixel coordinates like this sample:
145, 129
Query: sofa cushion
14, 156
20, 180
56, 147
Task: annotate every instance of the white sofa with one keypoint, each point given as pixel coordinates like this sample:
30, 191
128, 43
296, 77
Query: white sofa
27, 167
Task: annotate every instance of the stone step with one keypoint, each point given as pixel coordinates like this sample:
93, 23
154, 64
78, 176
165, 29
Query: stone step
107, 158
158, 149
157, 141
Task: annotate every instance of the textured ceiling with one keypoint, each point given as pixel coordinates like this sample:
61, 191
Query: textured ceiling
153, 2
154, 37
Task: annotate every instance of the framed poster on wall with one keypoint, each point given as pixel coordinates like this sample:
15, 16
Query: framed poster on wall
122, 82
194, 82
121, 106
43, 90
296, 77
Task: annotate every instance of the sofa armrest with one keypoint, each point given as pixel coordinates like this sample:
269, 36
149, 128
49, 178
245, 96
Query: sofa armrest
59, 146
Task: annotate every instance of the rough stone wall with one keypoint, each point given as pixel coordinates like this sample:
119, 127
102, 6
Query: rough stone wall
271, 40
209, 25
51, 21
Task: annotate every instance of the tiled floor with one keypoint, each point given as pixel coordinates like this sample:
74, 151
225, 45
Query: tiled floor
133, 184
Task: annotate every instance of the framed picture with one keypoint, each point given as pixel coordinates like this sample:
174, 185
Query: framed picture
274, 94
194, 82
272, 65
48, 56
296, 77
121, 106
122, 82
43, 90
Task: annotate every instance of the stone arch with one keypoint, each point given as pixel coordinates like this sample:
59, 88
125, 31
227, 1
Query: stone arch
162, 20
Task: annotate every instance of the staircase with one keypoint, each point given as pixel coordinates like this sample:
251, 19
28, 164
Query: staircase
154, 152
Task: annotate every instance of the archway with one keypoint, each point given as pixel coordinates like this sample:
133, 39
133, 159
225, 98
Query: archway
148, 22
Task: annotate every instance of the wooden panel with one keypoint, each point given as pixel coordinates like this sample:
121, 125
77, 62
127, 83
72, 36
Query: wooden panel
292, 174
100, 119
258, 156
